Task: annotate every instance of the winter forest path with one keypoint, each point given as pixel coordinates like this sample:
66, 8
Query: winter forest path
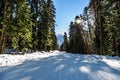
64, 66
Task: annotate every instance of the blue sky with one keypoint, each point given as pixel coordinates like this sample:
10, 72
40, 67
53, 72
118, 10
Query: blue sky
66, 10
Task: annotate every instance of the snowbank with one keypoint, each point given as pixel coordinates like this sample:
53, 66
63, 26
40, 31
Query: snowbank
11, 60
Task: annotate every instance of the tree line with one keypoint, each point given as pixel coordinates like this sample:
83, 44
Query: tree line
97, 30
27, 24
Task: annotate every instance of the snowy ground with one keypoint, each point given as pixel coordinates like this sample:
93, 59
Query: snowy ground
59, 66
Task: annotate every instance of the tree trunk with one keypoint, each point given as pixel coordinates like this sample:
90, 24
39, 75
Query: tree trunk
2, 42
115, 46
3, 32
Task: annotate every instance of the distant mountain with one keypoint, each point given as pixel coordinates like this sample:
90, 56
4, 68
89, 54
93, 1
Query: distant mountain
60, 39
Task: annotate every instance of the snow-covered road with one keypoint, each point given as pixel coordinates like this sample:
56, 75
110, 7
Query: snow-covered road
64, 66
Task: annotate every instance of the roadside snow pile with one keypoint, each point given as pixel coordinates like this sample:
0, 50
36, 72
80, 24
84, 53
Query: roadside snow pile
111, 61
11, 60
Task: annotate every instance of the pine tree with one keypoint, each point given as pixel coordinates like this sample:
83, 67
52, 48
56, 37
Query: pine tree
27, 24
71, 47
64, 46
77, 38
22, 30
106, 14
88, 18
35, 14
5, 16
2, 5
46, 31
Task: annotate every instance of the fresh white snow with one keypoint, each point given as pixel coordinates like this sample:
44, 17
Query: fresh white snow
59, 66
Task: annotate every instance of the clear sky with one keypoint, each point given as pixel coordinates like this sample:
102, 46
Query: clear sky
66, 10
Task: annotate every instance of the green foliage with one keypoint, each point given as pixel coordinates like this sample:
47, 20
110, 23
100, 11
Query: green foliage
27, 24
76, 39
22, 30
107, 27
46, 32
102, 36
64, 46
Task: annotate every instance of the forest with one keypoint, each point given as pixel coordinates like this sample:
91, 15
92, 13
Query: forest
27, 25
96, 31
30, 25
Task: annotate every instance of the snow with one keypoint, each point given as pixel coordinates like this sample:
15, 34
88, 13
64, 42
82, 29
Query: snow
84, 69
11, 60
57, 65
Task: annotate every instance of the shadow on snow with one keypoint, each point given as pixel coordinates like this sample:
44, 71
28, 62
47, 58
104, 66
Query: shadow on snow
61, 67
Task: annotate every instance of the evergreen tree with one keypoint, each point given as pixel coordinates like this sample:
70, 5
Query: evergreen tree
5, 16
71, 37
77, 39
2, 6
64, 46
106, 14
46, 31
22, 30
27, 24
35, 10
88, 18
